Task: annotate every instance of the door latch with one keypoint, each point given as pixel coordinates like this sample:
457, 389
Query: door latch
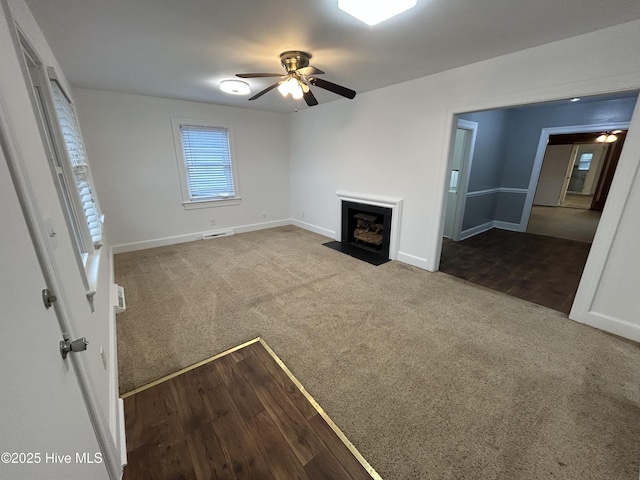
67, 346
48, 298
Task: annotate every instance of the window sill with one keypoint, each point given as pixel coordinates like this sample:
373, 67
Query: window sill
211, 203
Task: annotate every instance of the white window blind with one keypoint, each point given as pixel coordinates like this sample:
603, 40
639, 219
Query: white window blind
78, 158
207, 158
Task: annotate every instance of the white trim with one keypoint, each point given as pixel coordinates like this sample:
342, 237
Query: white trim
187, 202
542, 147
395, 204
514, 227
191, 237
412, 260
490, 191
314, 228
470, 232
479, 193
522, 191
227, 202
627, 172
465, 176
611, 324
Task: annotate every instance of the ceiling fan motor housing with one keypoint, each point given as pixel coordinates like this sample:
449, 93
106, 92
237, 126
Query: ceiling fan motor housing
293, 60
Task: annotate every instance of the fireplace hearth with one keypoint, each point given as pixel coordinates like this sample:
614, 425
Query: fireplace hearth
366, 232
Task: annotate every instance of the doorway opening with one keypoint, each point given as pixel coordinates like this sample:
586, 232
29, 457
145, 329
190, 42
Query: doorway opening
503, 241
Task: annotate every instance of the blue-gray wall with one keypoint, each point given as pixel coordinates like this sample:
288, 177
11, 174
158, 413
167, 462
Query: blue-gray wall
506, 146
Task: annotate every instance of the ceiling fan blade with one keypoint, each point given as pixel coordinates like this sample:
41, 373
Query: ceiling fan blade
333, 87
310, 98
309, 71
258, 75
268, 89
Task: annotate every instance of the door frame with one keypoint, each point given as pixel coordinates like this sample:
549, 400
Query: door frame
28, 199
464, 175
542, 147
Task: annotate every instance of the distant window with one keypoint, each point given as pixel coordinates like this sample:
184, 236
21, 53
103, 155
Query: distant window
206, 165
584, 162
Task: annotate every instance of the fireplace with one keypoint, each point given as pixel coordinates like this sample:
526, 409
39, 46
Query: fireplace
366, 228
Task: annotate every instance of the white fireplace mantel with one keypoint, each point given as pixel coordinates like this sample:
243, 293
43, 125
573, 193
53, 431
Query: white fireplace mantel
395, 204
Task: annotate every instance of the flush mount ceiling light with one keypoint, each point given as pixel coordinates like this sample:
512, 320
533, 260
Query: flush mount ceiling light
372, 12
235, 87
575, 99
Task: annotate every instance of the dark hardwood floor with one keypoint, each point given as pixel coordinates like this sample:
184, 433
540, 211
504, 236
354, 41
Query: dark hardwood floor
537, 268
239, 416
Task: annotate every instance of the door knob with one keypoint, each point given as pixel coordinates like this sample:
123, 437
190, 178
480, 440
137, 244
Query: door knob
67, 346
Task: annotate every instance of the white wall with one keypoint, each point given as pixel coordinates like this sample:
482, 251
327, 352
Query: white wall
394, 141
130, 146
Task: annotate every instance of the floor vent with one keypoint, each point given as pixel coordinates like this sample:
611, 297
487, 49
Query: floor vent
210, 235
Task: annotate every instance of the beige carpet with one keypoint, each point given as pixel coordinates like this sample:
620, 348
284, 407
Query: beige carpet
429, 377
560, 222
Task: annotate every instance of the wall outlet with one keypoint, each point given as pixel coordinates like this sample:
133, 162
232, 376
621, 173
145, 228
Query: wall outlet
213, 222
302, 214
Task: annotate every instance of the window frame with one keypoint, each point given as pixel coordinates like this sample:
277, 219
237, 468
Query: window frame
187, 201
87, 252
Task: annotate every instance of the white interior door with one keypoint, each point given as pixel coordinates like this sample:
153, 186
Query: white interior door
552, 175
46, 430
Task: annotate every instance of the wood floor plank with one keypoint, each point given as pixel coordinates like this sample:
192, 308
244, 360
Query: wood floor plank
170, 460
243, 395
324, 466
209, 460
304, 442
190, 402
281, 460
237, 443
280, 376
339, 449
537, 268
234, 418
151, 418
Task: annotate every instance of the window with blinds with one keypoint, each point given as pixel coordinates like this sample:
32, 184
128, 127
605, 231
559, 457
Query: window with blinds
207, 162
79, 166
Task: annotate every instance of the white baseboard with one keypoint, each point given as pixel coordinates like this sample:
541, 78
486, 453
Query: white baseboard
261, 226
314, 228
514, 227
610, 324
190, 237
413, 260
470, 232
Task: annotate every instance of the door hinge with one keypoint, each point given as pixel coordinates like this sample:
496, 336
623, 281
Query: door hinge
48, 298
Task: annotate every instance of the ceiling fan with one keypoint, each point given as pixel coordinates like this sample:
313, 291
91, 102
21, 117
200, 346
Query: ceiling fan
298, 79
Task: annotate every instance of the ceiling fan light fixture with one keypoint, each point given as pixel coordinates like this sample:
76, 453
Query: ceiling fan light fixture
297, 92
373, 12
235, 87
293, 87
607, 138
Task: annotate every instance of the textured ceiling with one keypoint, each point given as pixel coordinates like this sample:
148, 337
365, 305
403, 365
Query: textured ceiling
184, 49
